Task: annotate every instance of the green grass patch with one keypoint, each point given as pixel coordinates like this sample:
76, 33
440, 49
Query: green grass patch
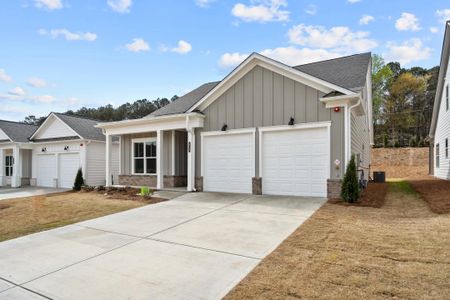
402, 186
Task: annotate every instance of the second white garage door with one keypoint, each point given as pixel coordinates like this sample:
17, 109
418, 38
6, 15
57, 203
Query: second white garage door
228, 162
295, 162
68, 168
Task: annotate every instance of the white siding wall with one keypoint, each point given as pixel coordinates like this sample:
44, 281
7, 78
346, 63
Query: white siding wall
361, 141
53, 129
442, 133
96, 160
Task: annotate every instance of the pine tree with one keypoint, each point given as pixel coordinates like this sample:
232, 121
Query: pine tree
350, 186
79, 181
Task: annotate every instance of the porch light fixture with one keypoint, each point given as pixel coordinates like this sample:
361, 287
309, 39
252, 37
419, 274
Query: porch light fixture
66, 148
224, 127
44, 149
337, 109
291, 121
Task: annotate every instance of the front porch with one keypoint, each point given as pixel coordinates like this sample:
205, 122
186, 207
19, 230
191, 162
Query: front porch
154, 152
15, 165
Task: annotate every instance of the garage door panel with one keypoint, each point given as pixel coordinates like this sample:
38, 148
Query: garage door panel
295, 162
46, 170
69, 163
228, 162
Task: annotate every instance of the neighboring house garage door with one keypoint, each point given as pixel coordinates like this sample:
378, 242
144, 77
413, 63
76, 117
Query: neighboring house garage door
228, 162
295, 161
46, 170
68, 168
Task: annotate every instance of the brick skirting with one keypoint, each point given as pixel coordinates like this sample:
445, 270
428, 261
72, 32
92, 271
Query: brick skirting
334, 188
150, 180
257, 186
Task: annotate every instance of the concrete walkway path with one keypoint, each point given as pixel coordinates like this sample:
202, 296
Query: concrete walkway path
28, 191
196, 246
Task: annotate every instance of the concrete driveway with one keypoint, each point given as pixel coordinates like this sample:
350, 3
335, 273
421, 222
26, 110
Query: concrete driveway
197, 246
27, 191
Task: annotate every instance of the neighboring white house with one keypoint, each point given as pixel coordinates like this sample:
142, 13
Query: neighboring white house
440, 122
266, 128
15, 153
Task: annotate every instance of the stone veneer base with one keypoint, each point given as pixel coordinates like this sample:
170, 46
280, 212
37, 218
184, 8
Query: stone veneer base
150, 180
334, 188
199, 184
257, 186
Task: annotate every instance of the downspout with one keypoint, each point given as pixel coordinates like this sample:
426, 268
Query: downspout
349, 130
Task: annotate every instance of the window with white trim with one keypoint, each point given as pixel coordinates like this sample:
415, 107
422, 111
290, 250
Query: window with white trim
437, 156
446, 148
144, 156
9, 163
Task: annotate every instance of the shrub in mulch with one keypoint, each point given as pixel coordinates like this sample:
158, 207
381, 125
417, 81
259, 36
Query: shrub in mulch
123, 193
435, 192
373, 196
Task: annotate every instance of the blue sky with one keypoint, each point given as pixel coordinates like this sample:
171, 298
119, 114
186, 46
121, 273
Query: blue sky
63, 54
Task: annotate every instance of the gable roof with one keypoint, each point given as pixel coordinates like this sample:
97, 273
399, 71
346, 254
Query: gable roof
343, 73
85, 128
349, 72
182, 104
445, 54
17, 131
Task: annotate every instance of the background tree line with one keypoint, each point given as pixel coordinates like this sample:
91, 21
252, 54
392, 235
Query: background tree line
137, 109
402, 105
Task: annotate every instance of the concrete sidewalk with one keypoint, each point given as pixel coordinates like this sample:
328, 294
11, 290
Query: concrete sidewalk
197, 246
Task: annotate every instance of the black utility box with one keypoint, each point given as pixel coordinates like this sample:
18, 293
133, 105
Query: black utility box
379, 176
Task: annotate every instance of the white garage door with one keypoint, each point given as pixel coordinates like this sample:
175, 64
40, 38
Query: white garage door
69, 163
295, 162
46, 170
228, 162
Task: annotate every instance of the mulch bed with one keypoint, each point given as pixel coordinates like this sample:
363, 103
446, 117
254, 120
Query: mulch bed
126, 193
373, 196
435, 192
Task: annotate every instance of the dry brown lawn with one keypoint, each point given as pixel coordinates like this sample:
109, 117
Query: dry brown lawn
436, 192
27, 215
345, 252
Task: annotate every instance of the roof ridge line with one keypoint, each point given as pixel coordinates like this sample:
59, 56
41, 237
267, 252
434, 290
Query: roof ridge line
330, 59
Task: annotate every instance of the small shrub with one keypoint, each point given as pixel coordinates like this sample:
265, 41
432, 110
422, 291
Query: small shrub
100, 188
350, 186
145, 191
87, 188
79, 181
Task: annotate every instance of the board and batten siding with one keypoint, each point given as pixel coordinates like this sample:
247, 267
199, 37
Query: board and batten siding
265, 98
360, 142
54, 129
442, 133
96, 162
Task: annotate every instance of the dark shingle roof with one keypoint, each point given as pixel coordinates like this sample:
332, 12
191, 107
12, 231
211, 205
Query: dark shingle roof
182, 104
17, 132
348, 72
84, 127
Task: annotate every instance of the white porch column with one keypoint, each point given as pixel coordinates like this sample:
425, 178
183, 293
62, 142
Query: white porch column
159, 159
17, 168
173, 154
108, 159
2, 167
191, 160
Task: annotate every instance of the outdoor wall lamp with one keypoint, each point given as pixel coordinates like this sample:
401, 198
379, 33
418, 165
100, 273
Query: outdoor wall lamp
291, 121
224, 127
66, 148
44, 149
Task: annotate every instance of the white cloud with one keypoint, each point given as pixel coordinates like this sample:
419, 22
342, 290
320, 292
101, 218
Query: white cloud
4, 76
353, 1
443, 15
434, 29
182, 48
311, 9
407, 22
229, 60
68, 35
23, 98
120, 6
366, 19
262, 11
36, 82
17, 91
48, 4
340, 39
289, 55
409, 51
138, 45
204, 3
43, 99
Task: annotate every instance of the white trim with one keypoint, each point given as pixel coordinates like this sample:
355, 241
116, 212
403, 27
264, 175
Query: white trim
301, 126
120, 155
1, 130
173, 153
159, 159
228, 132
47, 120
143, 140
275, 66
346, 136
